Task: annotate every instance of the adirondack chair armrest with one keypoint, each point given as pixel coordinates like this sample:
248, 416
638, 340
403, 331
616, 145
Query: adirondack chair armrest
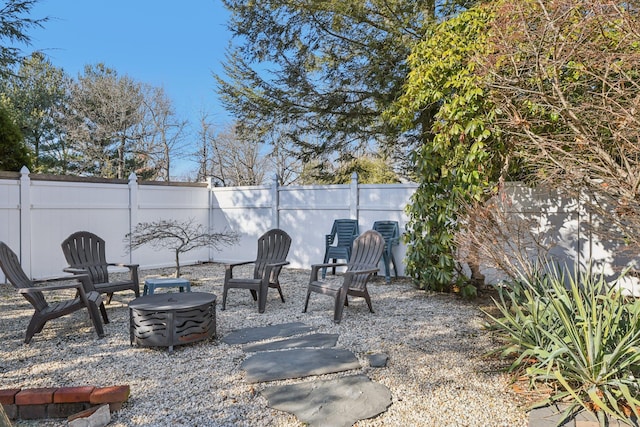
278, 264
133, 268
129, 266
316, 267
77, 271
229, 268
50, 284
266, 275
236, 264
329, 238
362, 271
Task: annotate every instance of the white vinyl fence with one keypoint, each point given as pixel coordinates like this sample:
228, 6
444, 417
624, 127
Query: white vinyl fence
38, 212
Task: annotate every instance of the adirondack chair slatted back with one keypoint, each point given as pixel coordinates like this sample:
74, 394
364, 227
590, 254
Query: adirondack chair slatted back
87, 251
366, 253
15, 274
273, 247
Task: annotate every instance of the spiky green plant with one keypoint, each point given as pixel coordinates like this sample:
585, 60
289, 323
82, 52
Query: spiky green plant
578, 332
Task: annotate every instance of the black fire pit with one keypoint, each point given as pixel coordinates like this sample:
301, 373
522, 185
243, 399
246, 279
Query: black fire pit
168, 319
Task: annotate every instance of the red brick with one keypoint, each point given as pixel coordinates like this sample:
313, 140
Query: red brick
63, 410
35, 396
7, 396
11, 411
113, 394
72, 394
32, 412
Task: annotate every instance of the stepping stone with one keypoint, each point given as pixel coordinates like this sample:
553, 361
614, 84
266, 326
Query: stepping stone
297, 363
314, 340
339, 402
378, 360
246, 335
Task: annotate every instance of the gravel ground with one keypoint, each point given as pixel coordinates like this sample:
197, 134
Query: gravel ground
437, 372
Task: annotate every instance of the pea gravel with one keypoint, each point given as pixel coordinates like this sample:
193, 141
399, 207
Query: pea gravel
438, 372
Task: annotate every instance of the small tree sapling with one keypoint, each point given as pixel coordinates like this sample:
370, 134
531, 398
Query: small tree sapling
179, 236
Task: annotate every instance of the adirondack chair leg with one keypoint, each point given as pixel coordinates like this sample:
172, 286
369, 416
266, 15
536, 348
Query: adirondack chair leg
109, 296
262, 298
90, 301
103, 311
306, 301
35, 326
367, 298
341, 301
224, 298
254, 294
277, 286
95, 319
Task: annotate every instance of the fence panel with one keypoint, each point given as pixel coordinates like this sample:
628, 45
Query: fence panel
157, 202
10, 212
307, 214
246, 210
60, 208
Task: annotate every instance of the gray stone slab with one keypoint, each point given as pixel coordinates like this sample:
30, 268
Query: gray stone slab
548, 416
313, 340
551, 415
297, 363
336, 403
378, 360
246, 335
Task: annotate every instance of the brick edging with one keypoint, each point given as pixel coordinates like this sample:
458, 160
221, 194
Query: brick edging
61, 402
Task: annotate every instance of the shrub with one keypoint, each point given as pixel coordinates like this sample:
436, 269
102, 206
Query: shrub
577, 332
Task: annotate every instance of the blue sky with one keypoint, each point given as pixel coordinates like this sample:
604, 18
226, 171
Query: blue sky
169, 44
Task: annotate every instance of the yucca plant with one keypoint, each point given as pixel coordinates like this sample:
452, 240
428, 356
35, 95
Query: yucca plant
577, 332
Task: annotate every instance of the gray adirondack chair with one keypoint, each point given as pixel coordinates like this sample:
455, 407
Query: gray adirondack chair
34, 292
273, 248
366, 254
390, 230
338, 243
85, 252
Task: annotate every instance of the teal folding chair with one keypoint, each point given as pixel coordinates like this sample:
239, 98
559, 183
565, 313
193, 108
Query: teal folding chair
391, 233
339, 242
